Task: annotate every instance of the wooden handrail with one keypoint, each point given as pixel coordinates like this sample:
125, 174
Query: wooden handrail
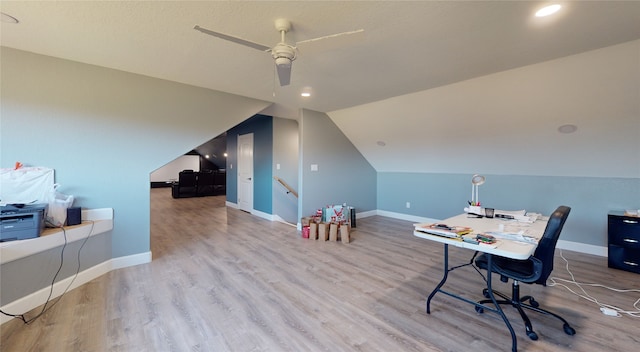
289, 189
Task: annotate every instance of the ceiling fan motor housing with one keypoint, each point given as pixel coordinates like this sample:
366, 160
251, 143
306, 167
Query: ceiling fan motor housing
284, 54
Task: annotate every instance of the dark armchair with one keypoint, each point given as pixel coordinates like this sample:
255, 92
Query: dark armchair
534, 270
187, 185
198, 184
206, 183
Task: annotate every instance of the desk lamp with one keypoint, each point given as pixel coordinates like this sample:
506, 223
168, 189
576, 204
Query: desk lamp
476, 180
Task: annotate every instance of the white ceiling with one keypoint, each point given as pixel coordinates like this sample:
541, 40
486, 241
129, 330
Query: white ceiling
407, 46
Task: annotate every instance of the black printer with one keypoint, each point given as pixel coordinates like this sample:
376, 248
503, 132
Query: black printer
21, 222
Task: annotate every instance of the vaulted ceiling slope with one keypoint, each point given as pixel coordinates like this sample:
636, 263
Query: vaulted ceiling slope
406, 47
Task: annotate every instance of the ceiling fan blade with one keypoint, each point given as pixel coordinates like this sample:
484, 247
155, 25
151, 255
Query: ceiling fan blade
331, 42
284, 74
233, 39
358, 31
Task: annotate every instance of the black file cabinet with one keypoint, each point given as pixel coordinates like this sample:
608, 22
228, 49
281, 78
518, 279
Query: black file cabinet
624, 241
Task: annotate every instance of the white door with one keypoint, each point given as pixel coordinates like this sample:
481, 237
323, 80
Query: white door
245, 172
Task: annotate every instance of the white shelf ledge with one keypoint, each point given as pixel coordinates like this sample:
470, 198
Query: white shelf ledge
94, 221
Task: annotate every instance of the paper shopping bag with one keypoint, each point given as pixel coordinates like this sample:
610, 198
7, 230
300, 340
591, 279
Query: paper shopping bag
26, 185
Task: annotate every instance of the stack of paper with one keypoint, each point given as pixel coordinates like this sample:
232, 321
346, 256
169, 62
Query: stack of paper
518, 215
519, 237
443, 230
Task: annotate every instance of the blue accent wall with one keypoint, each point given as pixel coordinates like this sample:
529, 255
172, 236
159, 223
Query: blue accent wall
262, 128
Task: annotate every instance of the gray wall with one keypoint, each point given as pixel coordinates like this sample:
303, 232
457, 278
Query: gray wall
343, 175
104, 131
505, 126
169, 172
507, 123
30, 274
285, 153
440, 196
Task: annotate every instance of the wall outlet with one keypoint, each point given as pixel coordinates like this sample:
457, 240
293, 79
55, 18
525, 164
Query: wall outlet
314, 167
277, 166
408, 205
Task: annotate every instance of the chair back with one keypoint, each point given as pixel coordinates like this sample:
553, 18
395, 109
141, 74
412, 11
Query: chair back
547, 245
187, 178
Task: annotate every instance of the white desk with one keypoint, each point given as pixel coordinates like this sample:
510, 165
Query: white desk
503, 248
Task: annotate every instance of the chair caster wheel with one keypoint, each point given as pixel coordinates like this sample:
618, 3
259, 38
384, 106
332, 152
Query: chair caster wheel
532, 335
480, 310
534, 303
569, 330
485, 293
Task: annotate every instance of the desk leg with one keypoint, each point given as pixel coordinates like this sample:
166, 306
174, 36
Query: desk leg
514, 342
444, 278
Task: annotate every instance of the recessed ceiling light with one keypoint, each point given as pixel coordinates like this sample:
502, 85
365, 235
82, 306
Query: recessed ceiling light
8, 18
381, 143
548, 10
306, 92
567, 128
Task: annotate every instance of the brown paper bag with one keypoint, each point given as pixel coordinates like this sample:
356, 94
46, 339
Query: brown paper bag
345, 234
313, 231
333, 232
323, 231
305, 221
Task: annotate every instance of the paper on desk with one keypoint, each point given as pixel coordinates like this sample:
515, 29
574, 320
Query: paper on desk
509, 212
518, 215
519, 236
443, 230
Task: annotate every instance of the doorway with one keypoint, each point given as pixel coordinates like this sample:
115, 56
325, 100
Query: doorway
245, 172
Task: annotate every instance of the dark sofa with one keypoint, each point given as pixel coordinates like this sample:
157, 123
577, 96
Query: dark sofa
198, 184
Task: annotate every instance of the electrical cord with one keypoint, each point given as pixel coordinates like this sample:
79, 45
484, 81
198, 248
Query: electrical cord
44, 307
606, 309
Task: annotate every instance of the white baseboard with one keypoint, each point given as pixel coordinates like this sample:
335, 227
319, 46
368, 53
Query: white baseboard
279, 219
566, 245
231, 205
406, 217
38, 298
583, 248
366, 214
263, 215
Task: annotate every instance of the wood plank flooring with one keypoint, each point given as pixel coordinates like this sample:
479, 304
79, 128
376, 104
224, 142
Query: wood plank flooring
223, 280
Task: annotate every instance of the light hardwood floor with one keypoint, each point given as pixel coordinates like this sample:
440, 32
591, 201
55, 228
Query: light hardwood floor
223, 280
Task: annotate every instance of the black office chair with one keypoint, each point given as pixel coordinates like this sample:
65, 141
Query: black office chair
534, 270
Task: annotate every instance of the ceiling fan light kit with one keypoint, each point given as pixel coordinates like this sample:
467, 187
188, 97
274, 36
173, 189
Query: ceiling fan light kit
282, 53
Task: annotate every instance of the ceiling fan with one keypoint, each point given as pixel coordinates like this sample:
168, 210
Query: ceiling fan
283, 53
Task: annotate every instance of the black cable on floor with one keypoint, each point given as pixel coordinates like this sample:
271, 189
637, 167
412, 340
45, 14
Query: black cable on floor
44, 308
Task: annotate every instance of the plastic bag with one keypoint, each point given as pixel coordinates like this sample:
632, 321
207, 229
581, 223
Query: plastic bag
24, 185
58, 204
